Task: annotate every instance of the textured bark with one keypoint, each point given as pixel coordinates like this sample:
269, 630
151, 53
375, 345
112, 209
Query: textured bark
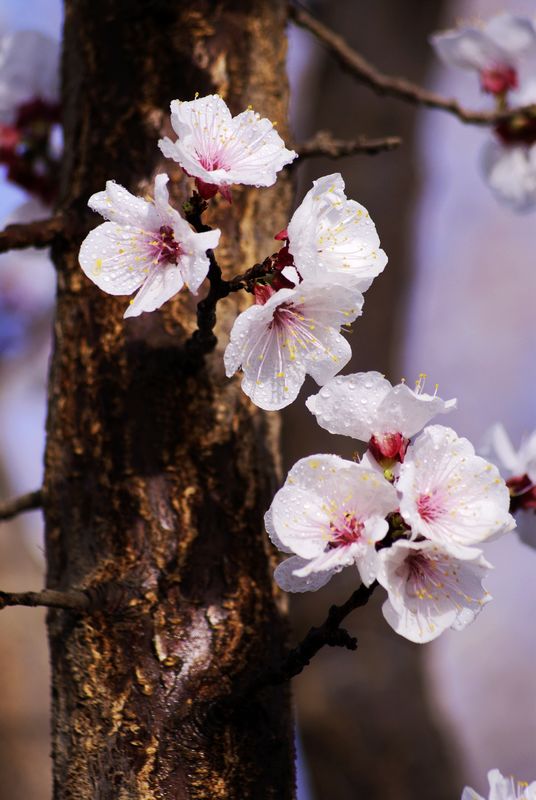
157, 472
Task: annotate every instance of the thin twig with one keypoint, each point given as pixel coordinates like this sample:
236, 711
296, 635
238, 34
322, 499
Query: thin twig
50, 598
31, 234
329, 634
26, 502
203, 340
365, 72
245, 279
323, 144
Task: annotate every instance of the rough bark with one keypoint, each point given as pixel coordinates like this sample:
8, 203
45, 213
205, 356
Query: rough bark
158, 472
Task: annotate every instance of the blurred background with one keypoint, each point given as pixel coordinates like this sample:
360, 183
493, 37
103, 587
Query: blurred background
394, 720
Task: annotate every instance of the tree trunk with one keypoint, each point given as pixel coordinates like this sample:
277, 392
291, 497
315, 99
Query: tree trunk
158, 471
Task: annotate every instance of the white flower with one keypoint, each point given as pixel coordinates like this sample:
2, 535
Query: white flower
496, 51
330, 513
520, 466
514, 462
450, 495
219, 150
366, 407
296, 332
29, 70
330, 236
501, 788
510, 171
429, 590
146, 246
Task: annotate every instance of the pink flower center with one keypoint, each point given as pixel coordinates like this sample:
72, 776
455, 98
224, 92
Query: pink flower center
388, 445
165, 248
499, 79
286, 315
212, 162
430, 505
346, 531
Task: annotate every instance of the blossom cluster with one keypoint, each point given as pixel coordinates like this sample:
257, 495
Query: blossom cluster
413, 512
329, 254
503, 54
410, 515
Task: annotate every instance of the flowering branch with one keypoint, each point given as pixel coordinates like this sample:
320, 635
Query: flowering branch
203, 340
26, 502
324, 144
50, 598
329, 633
41, 233
365, 72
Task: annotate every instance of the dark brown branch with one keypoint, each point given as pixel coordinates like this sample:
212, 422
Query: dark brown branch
245, 279
26, 502
360, 68
50, 598
203, 340
329, 634
323, 144
31, 234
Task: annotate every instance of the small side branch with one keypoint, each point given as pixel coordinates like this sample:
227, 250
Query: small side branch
74, 600
26, 502
329, 634
323, 144
204, 340
31, 234
362, 70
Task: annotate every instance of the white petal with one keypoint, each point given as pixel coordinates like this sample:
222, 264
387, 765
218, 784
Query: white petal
473, 500
117, 204
348, 404
276, 357
271, 531
203, 117
29, 69
499, 446
221, 150
470, 794
255, 152
193, 261
516, 35
469, 49
162, 284
406, 411
335, 353
502, 788
424, 602
272, 379
300, 521
161, 193
285, 577
109, 260
313, 472
319, 497
330, 235
511, 173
